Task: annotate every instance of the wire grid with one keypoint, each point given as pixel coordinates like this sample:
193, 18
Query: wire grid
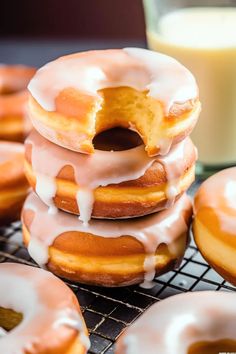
107, 311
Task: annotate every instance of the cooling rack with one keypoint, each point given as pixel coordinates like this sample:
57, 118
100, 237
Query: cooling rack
108, 311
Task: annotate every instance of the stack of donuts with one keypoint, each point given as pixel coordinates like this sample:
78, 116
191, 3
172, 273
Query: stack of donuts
110, 161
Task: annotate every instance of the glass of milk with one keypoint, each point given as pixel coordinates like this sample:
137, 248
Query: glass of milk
201, 34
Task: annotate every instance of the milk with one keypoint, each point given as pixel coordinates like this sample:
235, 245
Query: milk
204, 40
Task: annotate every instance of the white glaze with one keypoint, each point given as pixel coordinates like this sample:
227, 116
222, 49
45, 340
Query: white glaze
164, 85
70, 318
149, 272
46, 318
85, 200
219, 192
2, 332
107, 168
46, 189
163, 77
163, 227
173, 325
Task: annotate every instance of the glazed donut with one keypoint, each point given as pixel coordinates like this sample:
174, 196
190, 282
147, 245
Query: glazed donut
14, 124
106, 252
108, 184
214, 226
78, 96
13, 184
192, 323
40, 312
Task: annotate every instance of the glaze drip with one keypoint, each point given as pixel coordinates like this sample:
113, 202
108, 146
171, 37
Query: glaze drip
163, 227
109, 167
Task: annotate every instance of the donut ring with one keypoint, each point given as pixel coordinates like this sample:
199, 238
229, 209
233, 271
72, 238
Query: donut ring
108, 184
44, 311
13, 184
106, 252
214, 226
197, 323
78, 96
14, 125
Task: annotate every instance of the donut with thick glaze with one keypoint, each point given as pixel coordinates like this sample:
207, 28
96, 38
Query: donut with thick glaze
38, 313
192, 323
78, 96
107, 252
108, 184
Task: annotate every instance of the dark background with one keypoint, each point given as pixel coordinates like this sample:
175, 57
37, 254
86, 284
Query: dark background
60, 19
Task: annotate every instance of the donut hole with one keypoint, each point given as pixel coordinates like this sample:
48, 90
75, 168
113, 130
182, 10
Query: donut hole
131, 109
9, 319
116, 139
122, 107
221, 346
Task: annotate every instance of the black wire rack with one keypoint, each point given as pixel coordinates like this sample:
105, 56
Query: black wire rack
108, 311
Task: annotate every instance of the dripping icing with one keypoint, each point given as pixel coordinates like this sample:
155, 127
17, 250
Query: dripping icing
163, 227
108, 167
